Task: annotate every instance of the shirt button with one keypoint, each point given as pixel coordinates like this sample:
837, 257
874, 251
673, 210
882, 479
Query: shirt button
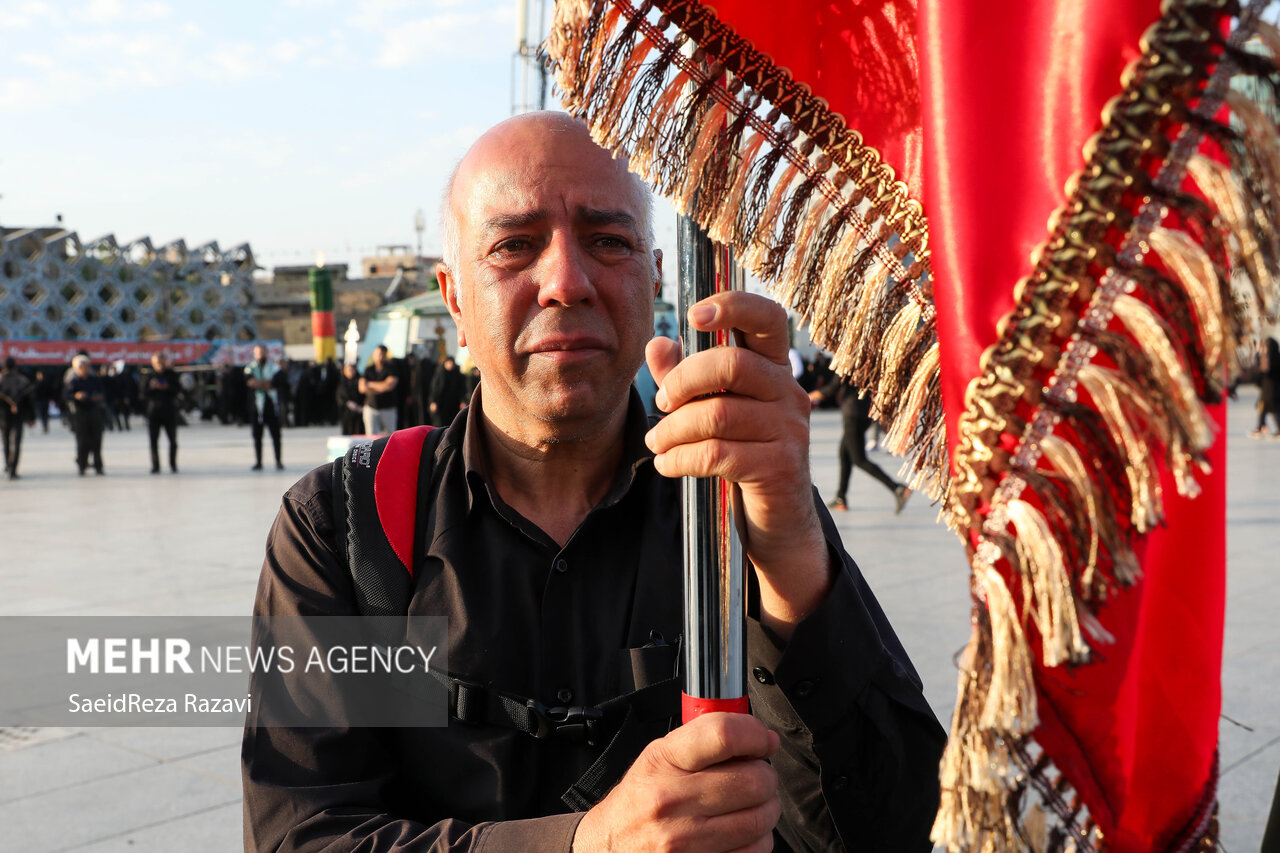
562, 565
762, 675
564, 695
803, 688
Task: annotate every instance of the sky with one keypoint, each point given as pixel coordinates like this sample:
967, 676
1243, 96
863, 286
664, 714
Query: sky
297, 126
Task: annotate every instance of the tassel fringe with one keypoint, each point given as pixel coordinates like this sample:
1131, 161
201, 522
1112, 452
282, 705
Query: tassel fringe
1099, 375
1109, 357
805, 203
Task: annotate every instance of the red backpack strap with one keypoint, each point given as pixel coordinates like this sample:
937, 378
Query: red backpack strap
375, 491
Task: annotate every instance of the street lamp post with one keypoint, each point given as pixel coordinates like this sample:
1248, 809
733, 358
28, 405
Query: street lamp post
419, 225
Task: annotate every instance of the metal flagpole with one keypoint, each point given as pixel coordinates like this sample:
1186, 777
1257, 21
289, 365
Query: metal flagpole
714, 563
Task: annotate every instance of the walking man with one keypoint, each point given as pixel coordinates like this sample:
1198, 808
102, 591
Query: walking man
856, 415
161, 390
260, 376
16, 394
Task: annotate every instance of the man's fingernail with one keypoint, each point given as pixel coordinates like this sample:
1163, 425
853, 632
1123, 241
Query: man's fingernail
649, 439
658, 460
702, 314
660, 399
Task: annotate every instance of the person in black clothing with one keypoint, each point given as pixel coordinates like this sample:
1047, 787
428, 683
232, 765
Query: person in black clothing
285, 382
423, 372
350, 401
1269, 384
161, 390
266, 389
85, 394
855, 413
16, 395
448, 393
122, 390
43, 397
379, 385
549, 533
330, 378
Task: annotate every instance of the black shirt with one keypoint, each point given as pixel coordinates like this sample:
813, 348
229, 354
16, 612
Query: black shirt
161, 389
529, 617
387, 399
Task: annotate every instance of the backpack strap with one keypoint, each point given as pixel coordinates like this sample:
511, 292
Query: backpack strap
380, 539
388, 470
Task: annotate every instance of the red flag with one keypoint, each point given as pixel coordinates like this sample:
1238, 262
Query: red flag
984, 211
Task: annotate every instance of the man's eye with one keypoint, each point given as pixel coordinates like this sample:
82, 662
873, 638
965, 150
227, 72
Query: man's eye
512, 246
613, 242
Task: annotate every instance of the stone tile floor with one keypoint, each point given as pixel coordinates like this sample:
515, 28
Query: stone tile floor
191, 544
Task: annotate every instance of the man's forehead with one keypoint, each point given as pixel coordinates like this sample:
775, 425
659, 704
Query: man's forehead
530, 192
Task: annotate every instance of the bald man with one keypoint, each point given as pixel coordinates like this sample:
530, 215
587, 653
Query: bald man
552, 544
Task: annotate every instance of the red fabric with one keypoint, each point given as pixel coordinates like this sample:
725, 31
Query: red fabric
395, 490
1008, 92
873, 86
1009, 99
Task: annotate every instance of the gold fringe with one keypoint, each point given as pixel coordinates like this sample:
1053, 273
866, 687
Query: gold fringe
1260, 132
1228, 199
1010, 703
1171, 375
995, 704
1195, 270
1063, 457
724, 227
898, 339
814, 222
1046, 586
1121, 406
918, 391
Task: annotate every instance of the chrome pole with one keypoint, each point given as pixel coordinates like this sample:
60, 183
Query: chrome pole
714, 562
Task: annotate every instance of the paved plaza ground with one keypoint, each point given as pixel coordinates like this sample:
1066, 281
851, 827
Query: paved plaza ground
192, 544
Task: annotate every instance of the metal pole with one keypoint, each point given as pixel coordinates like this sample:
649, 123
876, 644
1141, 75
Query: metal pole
714, 564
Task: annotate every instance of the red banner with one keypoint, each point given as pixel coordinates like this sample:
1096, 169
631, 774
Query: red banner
137, 352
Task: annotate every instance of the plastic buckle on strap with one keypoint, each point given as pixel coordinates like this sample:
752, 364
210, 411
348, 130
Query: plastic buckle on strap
576, 723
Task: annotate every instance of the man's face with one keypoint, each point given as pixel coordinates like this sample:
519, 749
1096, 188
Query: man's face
379, 356
259, 353
157, 362
556, 279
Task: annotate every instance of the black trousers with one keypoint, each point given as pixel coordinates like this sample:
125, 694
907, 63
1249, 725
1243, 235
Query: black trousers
853, 453
166, 418
12, 428
270, 420
88, 423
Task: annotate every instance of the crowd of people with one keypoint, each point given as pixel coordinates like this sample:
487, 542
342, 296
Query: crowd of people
91, 399
391, 393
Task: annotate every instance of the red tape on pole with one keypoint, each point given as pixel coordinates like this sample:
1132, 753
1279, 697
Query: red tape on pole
693, 706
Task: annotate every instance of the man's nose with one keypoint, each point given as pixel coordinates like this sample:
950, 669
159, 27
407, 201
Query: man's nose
562, 275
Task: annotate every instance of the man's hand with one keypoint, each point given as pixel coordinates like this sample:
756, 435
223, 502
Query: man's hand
737, 413
705, 788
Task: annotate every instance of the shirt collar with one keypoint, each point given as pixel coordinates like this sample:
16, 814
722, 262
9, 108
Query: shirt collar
635, 454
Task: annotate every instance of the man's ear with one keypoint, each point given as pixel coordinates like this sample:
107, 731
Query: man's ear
449, 290
657, 266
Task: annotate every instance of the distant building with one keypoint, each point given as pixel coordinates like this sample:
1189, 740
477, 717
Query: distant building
55, 288
284, 302
391, 259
